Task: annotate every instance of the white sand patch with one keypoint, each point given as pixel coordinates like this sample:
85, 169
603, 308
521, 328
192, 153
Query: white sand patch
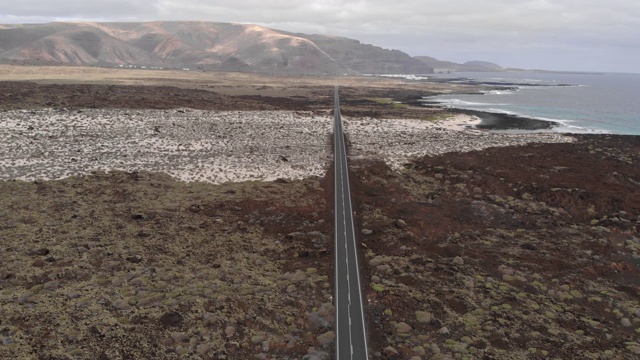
217, 147
399, 140
459, 122
190, 145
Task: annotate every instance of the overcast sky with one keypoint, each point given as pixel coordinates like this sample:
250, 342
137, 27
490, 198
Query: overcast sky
598, 35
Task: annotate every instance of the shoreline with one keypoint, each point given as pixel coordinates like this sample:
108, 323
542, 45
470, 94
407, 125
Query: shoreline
501, 121
494, 120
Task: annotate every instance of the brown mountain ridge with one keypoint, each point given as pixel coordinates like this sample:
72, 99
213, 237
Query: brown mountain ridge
202, 45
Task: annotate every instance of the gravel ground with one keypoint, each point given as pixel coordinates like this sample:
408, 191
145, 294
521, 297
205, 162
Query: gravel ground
216, 146
190, 145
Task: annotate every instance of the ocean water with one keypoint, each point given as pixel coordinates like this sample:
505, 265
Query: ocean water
579, 103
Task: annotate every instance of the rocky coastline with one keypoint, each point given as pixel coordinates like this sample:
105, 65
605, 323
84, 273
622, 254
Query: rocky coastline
499, 121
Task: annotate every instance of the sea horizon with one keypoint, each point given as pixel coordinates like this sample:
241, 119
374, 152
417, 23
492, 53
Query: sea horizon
576, 102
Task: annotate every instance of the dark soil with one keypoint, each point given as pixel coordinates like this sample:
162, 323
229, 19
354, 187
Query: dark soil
357, 102
28, 95
515, 252
138, 265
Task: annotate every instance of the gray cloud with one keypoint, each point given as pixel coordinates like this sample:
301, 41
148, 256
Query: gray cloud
558, 34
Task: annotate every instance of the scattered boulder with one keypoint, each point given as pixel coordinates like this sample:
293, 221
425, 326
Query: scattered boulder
258, 338
41, 252
51, 285
134, 259
171, 319
458, 260
419, 350
391, 353
143, 233
402, 328
314, 354
178, 337
383, 268
138, 216
400, 224
203, 349
423, 316
229, 331
120, 304
325, 340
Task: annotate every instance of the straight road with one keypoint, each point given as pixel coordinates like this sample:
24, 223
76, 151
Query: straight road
351, 337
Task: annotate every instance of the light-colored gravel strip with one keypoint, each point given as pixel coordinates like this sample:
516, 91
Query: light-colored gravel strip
190, 145
399, 140
218, 147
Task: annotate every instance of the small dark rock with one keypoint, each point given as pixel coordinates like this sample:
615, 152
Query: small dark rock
137, 217
37, 263
529, 246
134, 259
51, 285
171, 319
143, 234
94, 330
138, 319
42, 252
283, 158
50, 259
8, 276
435, 323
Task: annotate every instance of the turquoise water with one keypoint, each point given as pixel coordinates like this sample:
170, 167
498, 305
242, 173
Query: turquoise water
593, 103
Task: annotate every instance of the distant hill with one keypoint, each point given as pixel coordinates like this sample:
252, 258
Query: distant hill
469, 66
198, 45
368, 59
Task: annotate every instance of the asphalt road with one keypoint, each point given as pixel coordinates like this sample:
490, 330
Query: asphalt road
351, 337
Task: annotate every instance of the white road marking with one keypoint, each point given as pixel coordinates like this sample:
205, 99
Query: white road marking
345, 199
